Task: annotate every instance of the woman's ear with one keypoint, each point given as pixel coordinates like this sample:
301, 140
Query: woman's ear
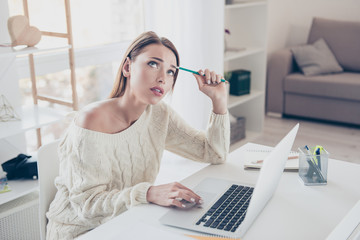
126, 67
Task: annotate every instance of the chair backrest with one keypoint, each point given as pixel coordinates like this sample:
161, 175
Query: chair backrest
48, 169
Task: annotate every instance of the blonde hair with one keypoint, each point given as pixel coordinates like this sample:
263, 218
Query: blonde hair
136, 48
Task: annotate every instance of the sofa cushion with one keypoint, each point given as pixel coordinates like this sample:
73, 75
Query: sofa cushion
344, 85
316, 58
343, 38
333, 109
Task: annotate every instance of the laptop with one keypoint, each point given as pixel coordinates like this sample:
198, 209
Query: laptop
230, 208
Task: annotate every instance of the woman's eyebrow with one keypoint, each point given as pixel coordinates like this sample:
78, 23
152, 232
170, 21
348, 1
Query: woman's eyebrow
160, 60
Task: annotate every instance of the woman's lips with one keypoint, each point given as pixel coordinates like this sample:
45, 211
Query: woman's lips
158, 91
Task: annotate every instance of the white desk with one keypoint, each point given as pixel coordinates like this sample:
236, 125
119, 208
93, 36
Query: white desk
295, 211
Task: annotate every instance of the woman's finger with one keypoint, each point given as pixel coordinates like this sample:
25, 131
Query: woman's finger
186, 195
200, 79
207, 76
201, 72
218, 78
213, 77
188, 189
175, 202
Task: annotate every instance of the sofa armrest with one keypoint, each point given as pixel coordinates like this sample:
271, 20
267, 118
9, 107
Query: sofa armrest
280, 64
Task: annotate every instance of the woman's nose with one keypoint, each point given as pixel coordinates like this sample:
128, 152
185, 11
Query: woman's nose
161, 77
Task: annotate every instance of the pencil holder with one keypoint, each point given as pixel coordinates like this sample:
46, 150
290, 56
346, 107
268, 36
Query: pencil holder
313, 166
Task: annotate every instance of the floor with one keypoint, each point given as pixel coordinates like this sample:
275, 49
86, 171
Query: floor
342, 142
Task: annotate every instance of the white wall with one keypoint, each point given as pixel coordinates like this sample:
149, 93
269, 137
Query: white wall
289, 21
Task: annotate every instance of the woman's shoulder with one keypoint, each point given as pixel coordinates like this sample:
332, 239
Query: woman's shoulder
163, 113
91, 116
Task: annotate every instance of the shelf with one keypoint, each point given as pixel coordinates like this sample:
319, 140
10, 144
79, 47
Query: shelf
32, 117
243, 4
233, 101
19, 188
22, 50
245, 48
231, 55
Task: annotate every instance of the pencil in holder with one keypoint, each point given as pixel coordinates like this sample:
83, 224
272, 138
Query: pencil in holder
313, 165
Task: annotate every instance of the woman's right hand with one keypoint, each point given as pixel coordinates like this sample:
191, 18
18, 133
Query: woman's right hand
171, 194
210, 84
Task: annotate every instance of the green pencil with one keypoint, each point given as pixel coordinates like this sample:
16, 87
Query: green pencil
188, 70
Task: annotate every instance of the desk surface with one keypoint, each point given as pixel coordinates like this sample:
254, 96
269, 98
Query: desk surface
295, 211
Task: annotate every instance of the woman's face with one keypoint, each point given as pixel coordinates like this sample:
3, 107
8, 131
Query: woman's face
152, 74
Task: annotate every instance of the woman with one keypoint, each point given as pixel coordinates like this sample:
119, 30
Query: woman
111, 153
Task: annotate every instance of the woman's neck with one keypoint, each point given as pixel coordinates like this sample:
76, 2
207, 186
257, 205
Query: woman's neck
130, 109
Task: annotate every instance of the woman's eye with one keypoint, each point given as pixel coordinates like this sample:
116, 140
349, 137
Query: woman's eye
171, 72
153, 64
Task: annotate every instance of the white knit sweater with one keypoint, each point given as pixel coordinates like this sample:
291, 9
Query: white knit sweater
102, 175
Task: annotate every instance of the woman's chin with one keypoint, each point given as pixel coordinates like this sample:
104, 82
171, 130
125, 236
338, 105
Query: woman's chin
155, 101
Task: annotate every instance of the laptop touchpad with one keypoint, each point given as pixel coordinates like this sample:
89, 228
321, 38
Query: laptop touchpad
177, 216
207, 197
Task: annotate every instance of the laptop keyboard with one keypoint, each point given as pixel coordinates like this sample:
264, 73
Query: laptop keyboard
229, 211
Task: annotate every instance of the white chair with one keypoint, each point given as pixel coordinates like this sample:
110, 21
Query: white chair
48, 169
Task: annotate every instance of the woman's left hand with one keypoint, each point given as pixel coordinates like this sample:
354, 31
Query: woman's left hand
210, 84
171, 194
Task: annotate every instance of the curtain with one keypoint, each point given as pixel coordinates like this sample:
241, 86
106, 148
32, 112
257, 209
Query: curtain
196, 27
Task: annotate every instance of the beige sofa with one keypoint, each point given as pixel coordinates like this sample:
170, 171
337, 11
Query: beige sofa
332, 97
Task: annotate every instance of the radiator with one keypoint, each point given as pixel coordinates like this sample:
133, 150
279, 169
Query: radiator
19, 218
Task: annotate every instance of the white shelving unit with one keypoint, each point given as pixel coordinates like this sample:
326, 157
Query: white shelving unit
32, 117
21, 50
67, 35
19, 207
233, 55
19, 188
246, 49
235, 101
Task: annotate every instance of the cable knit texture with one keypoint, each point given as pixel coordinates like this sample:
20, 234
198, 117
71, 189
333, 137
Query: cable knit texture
102, 175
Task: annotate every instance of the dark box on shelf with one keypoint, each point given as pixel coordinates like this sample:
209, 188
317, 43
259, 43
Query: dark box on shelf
240, 82
237, 129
